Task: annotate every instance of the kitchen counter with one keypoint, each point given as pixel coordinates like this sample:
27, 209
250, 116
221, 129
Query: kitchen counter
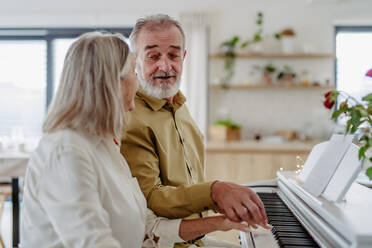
251, 146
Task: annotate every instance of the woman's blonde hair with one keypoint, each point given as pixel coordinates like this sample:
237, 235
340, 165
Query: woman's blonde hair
89, 96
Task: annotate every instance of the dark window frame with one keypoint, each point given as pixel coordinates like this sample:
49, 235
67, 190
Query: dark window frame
48, 35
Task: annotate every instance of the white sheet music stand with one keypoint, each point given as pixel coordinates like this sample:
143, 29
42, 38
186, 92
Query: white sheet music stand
329, 171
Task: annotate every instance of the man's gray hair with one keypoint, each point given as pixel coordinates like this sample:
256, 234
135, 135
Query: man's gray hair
151, 23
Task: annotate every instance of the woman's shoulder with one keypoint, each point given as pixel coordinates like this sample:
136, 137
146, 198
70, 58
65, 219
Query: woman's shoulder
67, 139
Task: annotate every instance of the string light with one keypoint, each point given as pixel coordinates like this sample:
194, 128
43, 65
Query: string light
300, 164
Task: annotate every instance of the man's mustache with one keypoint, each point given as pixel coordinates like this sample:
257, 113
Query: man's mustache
164, 74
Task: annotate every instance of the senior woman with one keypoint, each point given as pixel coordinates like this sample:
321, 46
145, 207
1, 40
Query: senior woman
79, 191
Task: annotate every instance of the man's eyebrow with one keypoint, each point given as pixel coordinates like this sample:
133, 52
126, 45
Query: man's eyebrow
176, 47
148, 47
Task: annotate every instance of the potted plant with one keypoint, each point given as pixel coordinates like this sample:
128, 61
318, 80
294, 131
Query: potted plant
267, 72
286, 76
229, 55
359, 120
255, 43
224, 130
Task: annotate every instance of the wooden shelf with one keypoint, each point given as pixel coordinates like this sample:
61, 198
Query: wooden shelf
276, 56
262, 86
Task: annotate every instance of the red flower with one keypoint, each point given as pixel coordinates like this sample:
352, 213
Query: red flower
328, 94
328, 103
329, 100
369, 73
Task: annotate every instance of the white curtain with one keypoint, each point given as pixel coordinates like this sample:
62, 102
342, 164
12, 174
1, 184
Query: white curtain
194, 83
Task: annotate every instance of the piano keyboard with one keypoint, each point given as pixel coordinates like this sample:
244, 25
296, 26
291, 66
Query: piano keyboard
287, 231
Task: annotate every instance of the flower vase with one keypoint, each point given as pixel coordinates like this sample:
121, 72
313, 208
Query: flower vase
362, 177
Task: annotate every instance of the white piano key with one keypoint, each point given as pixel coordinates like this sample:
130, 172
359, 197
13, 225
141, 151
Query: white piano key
263, 238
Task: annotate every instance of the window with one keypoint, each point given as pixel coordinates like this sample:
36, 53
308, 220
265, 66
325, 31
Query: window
22, 87
31, 62
353, 60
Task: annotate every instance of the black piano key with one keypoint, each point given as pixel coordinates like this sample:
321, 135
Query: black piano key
273, 204
297, 246
299, 229
279, 223
280, 214
276, 206
282, 218
291, 235
280, 210
296, 241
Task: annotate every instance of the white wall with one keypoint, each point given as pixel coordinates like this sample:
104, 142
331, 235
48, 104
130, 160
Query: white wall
263, 111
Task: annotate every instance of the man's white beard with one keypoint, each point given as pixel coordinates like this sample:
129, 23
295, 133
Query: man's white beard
157, 92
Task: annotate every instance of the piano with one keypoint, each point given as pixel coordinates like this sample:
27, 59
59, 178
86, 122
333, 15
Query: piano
300, 219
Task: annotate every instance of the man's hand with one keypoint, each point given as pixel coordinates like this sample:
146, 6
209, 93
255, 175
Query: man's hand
239, 203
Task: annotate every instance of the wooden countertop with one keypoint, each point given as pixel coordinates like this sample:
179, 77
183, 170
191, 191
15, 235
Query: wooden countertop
251, 146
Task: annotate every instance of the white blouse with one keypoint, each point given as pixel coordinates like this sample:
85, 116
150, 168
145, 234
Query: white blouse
79, 192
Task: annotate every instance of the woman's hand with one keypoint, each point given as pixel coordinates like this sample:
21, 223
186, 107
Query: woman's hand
224, 224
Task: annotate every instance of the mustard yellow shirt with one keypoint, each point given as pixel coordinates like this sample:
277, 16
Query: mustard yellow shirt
165, 151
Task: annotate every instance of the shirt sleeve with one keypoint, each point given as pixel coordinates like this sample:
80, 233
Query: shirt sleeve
166, 230
68, 193
168, 201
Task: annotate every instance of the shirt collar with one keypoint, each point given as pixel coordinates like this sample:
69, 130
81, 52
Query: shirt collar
156, 104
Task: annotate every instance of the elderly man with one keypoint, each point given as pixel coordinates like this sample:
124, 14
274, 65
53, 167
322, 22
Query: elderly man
163, 146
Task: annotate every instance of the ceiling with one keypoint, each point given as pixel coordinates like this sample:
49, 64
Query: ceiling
27, 6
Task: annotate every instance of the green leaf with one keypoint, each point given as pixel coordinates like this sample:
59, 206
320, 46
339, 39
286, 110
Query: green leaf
369, 173
277, 36
362, 111
343, 106
336, 114
370, 159
355, 120
363, 138
362, 151
369, 109
227, 123
368, 97
235, 40
257, 37
348, 124
354, 129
